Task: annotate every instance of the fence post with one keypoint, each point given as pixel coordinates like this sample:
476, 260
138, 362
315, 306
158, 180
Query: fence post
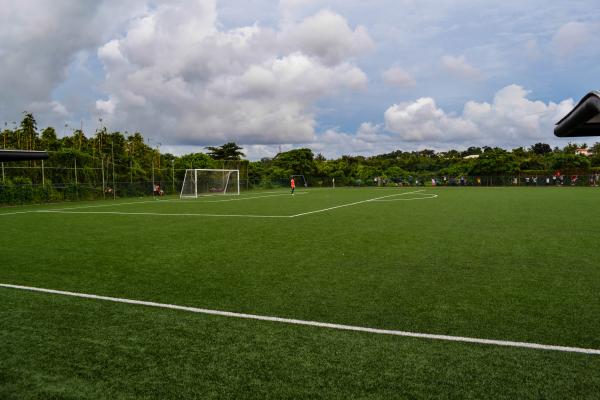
103, 184
112, 150
76, 184
3, 178
153, 173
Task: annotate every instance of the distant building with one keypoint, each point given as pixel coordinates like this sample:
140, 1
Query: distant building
583, 152
471, 156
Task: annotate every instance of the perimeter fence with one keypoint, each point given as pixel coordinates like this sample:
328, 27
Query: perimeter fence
86, 178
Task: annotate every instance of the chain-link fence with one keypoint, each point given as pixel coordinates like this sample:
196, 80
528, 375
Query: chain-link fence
73, 175
83, 178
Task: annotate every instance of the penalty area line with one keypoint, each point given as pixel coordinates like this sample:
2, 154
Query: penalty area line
429, 336
429, 196
249, 198
355, 203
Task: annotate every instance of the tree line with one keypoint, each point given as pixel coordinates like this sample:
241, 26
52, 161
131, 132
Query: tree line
539, 159
131, 163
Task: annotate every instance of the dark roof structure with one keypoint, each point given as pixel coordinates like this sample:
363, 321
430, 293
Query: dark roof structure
22, 155
583, 120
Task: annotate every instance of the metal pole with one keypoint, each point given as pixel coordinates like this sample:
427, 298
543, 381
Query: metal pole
173, 173
153, 173
112, 150
43, 177
103, 185
3, 177
76, 188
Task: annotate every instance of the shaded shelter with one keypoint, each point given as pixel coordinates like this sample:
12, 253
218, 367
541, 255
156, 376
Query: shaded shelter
22, 155
583, 120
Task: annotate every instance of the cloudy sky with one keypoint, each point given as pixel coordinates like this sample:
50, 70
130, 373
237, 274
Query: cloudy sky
341, 76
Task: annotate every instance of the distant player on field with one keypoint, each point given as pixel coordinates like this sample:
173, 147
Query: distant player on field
293, 185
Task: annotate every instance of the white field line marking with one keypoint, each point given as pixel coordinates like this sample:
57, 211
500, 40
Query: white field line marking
19, 212
249, 198
163, 214
352, 204
429, 196
507, 343
79, 207
107, 204
154, 201
71, 209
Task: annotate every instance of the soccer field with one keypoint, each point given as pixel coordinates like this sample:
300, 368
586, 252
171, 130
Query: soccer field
394, 293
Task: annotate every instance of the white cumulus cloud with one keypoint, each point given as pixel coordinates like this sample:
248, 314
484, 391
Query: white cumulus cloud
328, 36
37, 47
191, 83
510, 119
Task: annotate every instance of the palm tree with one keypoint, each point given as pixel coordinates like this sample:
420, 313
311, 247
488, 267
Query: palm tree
29, 129
228, 151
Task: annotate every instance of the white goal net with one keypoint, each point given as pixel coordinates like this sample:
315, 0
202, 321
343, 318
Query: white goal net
199, 182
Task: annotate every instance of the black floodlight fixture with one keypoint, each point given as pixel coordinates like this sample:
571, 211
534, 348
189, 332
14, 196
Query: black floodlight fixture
22, 155
583, 120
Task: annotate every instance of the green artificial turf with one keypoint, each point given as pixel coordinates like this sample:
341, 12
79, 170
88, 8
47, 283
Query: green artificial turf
514, 264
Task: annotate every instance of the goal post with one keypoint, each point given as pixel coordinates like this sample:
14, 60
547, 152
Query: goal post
201, 182
300, 180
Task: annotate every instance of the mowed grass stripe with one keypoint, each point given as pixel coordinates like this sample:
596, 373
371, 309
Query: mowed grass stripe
494, 342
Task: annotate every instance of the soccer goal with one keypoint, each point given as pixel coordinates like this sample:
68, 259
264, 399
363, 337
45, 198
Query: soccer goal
199, 182
300, 180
